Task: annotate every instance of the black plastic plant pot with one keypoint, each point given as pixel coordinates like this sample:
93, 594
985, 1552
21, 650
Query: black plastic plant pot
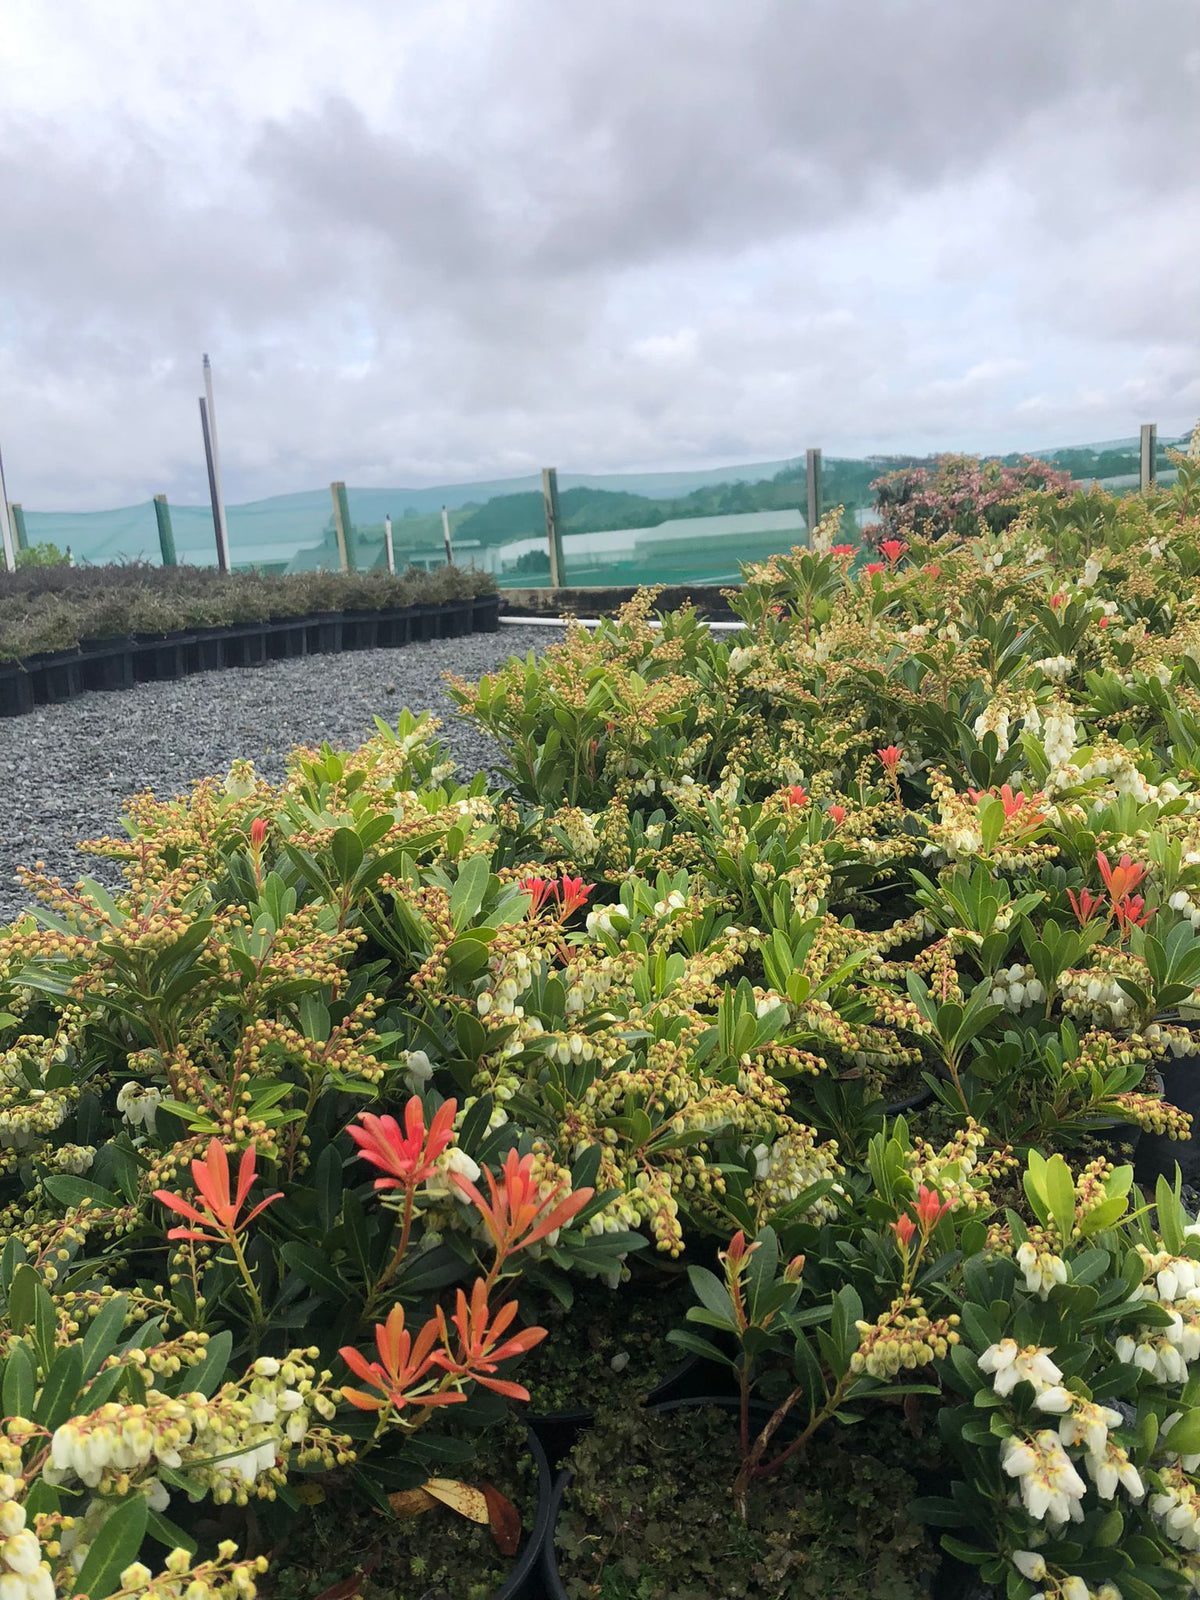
552, 1584
55, 676
950, 1583
246, 645
106, 664
485, 613
287, 638
205, 650
915, 1102
523, 1582
426, 623
323, 633
360, 630
455, 617
16, 690
558, 1430
1157, 1154
160, 658
393, 629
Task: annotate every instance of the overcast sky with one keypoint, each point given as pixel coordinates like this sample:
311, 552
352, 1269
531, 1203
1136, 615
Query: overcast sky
429, 242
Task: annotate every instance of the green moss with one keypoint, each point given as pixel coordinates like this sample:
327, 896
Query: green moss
572, 1369
438, 1553
650, 1516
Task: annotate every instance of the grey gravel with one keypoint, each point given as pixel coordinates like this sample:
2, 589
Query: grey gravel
65, 770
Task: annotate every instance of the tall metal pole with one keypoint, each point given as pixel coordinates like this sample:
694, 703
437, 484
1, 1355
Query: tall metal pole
6, 536
387, 544
1148, 463
446, 537
558, 573
222, 554
215, 472
812, 481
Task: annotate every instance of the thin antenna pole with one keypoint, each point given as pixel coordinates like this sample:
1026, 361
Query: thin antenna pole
215, 472
6, 536
222, 558
446, 537
387, 541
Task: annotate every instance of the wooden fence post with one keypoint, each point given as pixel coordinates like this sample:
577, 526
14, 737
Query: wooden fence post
341, 521
558, 572
166, 534
812, 483
1148, 463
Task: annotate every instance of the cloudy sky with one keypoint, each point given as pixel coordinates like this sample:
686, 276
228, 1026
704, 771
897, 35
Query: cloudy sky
428, 242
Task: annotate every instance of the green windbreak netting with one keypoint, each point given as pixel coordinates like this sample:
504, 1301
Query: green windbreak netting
631, 528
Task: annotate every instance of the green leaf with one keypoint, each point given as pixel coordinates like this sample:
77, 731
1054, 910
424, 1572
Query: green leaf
1184, 1436
713, 1295
20, 1382
466, 896
22, 1296
314, 1268
347, 851
100, 1340
114, 1547
1060, 1194
205, 1378
60, 1392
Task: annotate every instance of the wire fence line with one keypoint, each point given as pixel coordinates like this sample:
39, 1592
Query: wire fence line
598, 530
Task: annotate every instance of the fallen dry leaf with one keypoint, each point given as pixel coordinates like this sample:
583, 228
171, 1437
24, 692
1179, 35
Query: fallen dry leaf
505, 1520
460, 1497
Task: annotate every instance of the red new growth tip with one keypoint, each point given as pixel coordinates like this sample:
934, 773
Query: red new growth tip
538, 890
481, 1343
841, 551
838, 813
404, 1363
933, 570
794, 796
1057, 600
872, 567
407, 1158
216, 1218
904, 1228
890, 757
1131, 913
571, 893
518, 1216
1122, 879
1085, 905
930, 1208
258, 833
893, 549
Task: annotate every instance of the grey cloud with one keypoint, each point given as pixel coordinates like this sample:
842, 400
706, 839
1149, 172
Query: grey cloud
627, 234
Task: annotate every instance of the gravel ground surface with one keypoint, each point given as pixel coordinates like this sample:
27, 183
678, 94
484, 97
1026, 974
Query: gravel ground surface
66, 769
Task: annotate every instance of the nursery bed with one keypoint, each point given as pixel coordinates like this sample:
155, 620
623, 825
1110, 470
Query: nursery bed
67, 768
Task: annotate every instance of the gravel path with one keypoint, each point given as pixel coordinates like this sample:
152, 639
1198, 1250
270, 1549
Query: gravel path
68, 768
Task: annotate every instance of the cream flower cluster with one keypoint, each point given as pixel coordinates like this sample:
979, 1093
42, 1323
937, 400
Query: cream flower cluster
138, 1104
1042, 1268
1017, 987
24, 1575
1056, 668
1097, 996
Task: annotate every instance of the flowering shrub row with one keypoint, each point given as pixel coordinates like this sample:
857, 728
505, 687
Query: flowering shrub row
297, 1128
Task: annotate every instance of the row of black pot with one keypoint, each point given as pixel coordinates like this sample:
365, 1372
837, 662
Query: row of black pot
118, 663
